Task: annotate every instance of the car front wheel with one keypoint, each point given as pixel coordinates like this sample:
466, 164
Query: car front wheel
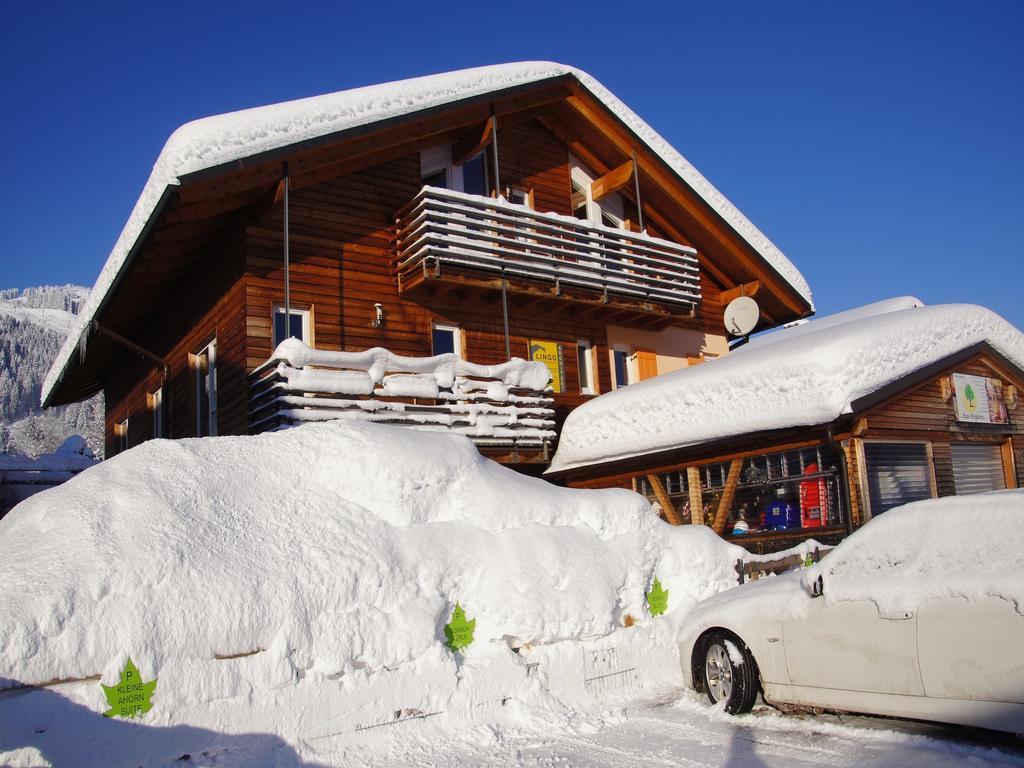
729, 673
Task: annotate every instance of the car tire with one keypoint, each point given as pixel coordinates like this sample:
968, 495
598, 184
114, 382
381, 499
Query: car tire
724, 678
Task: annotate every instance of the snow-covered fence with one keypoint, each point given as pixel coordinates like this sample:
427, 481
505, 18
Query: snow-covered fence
441, 229
506, 405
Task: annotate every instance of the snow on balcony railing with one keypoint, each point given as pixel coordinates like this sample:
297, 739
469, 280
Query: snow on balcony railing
495, 405
442, 228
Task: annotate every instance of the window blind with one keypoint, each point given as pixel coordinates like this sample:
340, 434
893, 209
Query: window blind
898, 473
977, 467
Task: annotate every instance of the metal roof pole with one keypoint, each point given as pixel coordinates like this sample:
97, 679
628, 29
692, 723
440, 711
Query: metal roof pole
494, 153
287, 286
636, 188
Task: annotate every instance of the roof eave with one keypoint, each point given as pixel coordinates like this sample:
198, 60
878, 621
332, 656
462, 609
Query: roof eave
51, 397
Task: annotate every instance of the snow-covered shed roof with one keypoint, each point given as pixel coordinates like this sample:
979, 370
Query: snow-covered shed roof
807, 374
218, 141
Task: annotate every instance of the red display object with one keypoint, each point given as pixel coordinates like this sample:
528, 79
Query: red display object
813, 500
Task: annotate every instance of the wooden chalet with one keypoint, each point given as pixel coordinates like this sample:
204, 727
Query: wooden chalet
952, 425
517, 211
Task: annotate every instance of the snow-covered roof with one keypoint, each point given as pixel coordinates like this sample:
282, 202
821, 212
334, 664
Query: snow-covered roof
804, 375
213, 141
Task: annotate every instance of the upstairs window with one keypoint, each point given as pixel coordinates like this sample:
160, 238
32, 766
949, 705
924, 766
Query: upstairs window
609, 211
436, 179
298, 322
436, 167
474, 176
445, 340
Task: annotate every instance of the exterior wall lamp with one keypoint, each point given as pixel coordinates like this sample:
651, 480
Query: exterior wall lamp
378, 315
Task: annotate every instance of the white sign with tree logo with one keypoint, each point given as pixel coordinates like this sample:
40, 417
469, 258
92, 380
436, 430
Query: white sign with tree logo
979, 399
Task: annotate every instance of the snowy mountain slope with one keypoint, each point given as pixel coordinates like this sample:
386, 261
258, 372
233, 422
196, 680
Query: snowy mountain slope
33, 325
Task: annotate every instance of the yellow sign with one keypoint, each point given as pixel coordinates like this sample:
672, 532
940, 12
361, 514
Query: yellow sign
549, 353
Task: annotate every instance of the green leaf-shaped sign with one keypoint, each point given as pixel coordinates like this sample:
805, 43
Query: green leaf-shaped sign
657, 598
130, 697
459, 631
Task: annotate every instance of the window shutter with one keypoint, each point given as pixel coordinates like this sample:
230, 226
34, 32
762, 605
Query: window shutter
977, 467
898, 473
647, 364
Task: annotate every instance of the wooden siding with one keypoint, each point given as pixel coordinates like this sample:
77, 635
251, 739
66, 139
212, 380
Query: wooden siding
922, 413
342, 263
216, 294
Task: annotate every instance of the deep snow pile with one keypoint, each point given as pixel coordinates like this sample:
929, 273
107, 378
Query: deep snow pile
221, 139
805, 375
920, 552
342, 546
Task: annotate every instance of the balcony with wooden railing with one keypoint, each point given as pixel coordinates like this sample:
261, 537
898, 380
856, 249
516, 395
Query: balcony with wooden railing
455, 239
506, 407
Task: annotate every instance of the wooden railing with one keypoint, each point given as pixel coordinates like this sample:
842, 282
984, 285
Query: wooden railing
505, 406
752, 570
441, 229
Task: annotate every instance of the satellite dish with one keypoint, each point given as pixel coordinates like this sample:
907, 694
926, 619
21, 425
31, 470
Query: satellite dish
741, 316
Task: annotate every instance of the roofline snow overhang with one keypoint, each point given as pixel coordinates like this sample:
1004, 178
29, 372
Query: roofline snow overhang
567, 78
366, 129
711, 450
271, 155
782, 280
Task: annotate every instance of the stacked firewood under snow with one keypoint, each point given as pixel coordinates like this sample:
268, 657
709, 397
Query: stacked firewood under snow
496, 405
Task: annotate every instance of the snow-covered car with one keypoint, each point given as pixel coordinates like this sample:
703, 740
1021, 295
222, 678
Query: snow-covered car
919, 614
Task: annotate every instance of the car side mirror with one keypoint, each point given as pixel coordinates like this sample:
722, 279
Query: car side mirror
818, 587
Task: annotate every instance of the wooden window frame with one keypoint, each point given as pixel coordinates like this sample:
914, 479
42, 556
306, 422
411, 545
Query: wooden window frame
155, 404
1009, 466
212, 406
121, 433
439, 158
457, 339
591, 368
630, 375
611, 205
307, 323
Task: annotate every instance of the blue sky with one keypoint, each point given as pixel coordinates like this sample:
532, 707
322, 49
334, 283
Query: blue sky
878, 144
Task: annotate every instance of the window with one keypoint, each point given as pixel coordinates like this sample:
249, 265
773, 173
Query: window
156, 405
620, 367
299, 325
519, 196
436, 170
609, 210
585, 362
435, 167
121, 433
977, 467
445, 340
205, 365
897, 473
474, 176
436, 179
580, 203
